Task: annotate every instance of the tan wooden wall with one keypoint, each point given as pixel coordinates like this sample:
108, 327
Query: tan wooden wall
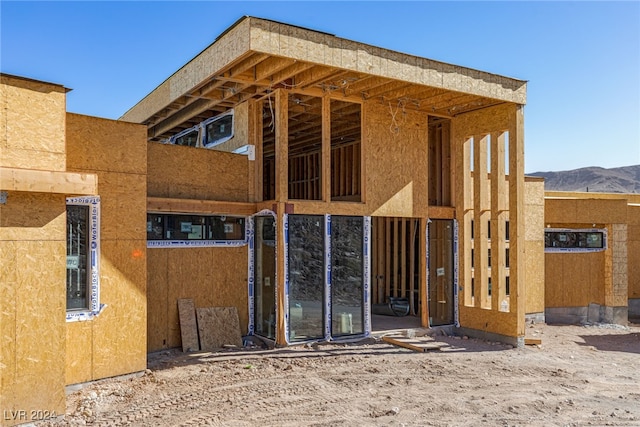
534, 249
578, 279
395, 161
32, 251
32, 302
196, 173
484, 197
114, 342
212, 277
32, 124
394, 167
633, 248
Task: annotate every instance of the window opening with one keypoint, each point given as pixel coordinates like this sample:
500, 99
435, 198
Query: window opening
569, 240
194, 230
188, 137
83, 257
217, 130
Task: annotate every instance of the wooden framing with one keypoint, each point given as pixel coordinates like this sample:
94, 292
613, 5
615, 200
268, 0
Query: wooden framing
166, 204
409, 162
70, 183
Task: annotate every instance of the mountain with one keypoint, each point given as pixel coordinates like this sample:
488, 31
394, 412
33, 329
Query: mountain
593, 179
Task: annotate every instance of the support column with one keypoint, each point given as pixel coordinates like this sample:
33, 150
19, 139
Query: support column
516, 218
498, 215
282, 181
424, 274
480, 218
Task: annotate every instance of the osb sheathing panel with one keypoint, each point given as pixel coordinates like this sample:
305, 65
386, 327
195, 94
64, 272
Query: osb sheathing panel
32, 335
307, 45
212, 277
395, 156
254, 34
633, 248
119, 344
33, 124
616, 267
534, 246
196, 173
157, 298
497, 322
33, 216
634, 268
123, 205
105, 145
574, 279
8, 290
588, 211
117, 152
487, 120
218, 326
534, 211
534, 276
79, 352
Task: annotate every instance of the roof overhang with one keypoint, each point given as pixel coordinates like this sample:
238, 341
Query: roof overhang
256, 56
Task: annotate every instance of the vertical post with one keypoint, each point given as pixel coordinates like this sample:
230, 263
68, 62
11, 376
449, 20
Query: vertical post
282, 146
498, 199
281, 266
325, 169
480, 200
282, 178
516, 218
462, 197
255, 139
423, 273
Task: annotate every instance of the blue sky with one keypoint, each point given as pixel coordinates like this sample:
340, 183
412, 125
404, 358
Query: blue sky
581, 59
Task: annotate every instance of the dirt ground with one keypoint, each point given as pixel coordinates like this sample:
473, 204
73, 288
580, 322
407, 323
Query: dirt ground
578, 376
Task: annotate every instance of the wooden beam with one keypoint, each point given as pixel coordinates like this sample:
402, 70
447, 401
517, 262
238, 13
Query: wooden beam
282, 149
325, 172
59, 182
166, 204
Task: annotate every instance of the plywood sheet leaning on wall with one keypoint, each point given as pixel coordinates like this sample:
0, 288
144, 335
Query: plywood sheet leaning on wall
188, 325
218, 326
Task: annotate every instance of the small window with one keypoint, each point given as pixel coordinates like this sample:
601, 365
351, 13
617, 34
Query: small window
77, 257
506, 285
217, 130
188, 137
568, 240
506, 231
506, 257
83, 257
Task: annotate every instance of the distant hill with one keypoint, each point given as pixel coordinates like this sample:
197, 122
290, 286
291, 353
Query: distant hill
593, 179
